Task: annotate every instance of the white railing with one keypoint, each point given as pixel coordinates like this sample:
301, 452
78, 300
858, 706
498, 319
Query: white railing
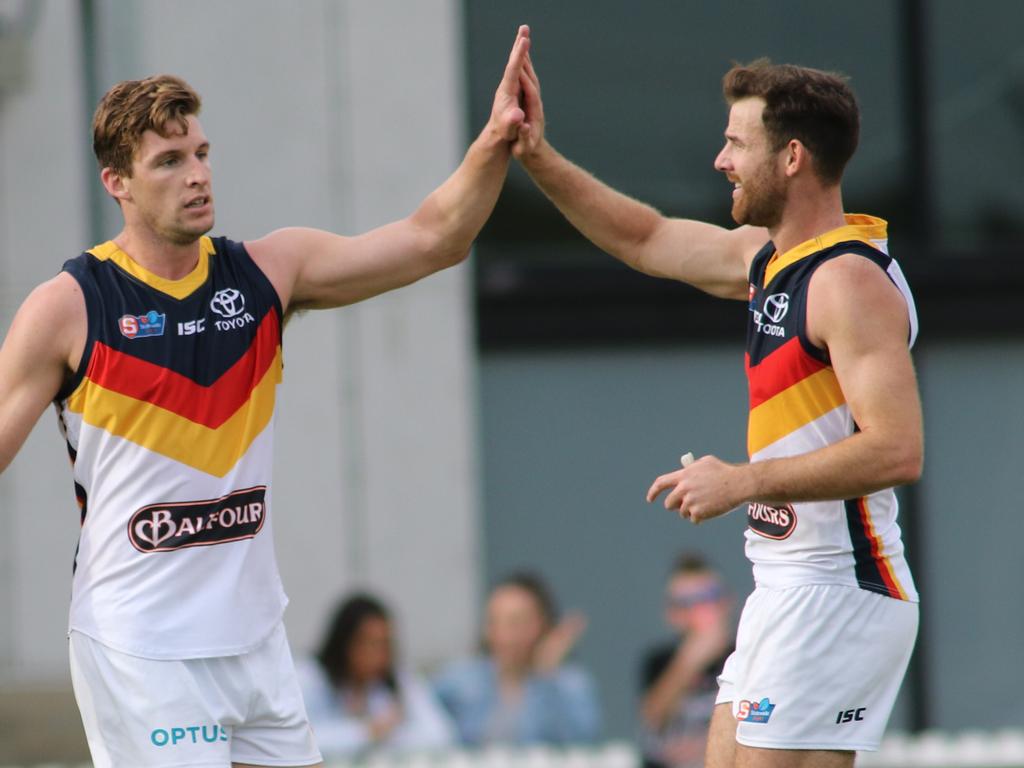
934, 749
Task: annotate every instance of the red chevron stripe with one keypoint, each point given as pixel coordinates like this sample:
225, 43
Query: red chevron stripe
210, 405
780, 370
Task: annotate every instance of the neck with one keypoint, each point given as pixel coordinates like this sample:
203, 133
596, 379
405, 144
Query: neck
510, 673
165, 259
807, 216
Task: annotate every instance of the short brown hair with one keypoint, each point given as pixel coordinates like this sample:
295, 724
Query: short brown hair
815, 107
133, 107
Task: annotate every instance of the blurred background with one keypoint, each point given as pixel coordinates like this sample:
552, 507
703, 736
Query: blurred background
511, 412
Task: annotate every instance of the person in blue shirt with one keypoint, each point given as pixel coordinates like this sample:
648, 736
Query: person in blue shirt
357, 701
521, 690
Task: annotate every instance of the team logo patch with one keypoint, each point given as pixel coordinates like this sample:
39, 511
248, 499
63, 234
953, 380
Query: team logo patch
771, 522
754, 711
139, 326
776, 306
166, 527
228, 302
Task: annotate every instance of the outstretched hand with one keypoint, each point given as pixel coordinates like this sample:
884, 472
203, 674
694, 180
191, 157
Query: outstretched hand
531, 131
705, 489
506, 114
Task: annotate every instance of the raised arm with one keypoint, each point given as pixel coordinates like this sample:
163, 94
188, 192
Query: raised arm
42, 346
712, 258
857, 314
316, 269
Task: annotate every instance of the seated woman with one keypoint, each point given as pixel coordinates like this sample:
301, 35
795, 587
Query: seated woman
355, 699
520, 690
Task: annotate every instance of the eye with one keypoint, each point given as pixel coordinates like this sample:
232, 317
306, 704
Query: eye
169, 162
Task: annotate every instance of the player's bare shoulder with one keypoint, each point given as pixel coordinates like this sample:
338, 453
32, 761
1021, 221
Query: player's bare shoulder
53, 320
851, 293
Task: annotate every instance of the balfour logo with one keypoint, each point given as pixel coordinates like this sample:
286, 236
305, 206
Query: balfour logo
189, 734
771, 522
166, 527
754, 711
139, 326
229, 303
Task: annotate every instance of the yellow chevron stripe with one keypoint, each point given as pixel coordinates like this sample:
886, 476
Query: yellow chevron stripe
179, 289
792, 408
214, 451
859, 226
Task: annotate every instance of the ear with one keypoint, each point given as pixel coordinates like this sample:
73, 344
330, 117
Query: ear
796, 158
117, 186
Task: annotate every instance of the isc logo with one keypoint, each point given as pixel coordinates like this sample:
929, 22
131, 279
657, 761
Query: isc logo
192, 327
849, 715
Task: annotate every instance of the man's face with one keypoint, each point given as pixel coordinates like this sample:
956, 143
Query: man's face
747, 160
170, 187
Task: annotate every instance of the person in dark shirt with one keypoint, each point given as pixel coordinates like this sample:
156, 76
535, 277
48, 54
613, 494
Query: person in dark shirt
679, 678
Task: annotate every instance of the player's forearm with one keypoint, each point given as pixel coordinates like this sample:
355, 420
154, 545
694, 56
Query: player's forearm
857, 466
452, 216
614, 222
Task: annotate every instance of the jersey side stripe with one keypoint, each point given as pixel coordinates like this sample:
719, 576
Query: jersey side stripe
792, 408
211, 450
872, 568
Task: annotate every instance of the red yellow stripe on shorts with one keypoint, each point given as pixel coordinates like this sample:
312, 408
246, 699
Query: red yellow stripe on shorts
211, 449
794, 407
872, 568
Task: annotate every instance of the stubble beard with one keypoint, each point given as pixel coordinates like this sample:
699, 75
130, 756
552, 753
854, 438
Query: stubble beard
762, 200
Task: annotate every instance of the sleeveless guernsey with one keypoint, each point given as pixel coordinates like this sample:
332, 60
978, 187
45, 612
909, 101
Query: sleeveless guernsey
169, 426
797, 406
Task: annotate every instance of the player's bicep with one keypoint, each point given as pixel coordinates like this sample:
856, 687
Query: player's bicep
317, 269
714, 259
34, 359
861, 318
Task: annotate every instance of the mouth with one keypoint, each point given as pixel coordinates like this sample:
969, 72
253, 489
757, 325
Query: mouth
198, 202
737, 189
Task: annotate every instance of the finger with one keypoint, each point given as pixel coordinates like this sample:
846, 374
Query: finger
531, 73
516, 57
675, 499
530, 91
659, 485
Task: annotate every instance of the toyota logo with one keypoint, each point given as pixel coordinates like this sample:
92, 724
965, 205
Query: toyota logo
776, 306
228, 302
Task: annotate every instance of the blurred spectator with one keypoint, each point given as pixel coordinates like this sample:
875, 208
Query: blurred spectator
679, 679
355, 699
521, 690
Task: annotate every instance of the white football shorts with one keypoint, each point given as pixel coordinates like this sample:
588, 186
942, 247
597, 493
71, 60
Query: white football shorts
817, 667
149, 713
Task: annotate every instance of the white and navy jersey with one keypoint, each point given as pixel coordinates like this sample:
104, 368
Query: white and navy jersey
797, 406
169, 426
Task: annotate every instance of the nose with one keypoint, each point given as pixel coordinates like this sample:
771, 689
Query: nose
722, 162
198, 173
